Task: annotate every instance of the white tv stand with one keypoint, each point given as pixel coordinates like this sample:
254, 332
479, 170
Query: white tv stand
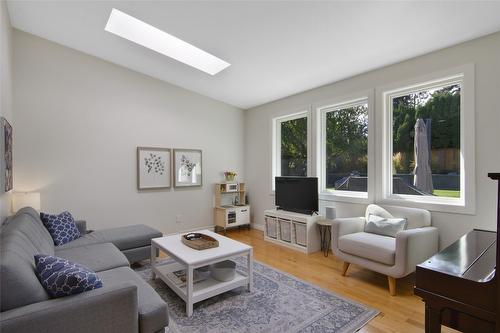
293, 230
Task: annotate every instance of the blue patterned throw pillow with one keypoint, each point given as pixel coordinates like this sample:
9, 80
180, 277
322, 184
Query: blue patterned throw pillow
61, 227
60, 277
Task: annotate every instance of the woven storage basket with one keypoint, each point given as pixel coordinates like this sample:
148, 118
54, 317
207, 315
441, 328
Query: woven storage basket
271, 227
285, 230
300, 233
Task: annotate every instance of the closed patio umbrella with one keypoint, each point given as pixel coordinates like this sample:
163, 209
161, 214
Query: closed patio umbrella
422, 172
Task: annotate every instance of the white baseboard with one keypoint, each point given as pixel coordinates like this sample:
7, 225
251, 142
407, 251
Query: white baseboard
258, 226
208, 227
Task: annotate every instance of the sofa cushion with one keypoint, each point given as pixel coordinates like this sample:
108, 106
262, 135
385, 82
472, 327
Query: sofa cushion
97, 257
61, 227
153, 315
124, 238
137, 254
21, 237
370, 246
61, 277
384, 226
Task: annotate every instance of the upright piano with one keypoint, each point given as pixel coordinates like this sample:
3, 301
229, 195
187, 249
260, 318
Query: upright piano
459, 284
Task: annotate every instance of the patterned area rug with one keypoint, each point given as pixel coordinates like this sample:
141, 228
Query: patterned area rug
279, 303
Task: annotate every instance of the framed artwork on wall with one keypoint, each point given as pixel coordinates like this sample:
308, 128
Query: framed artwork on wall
7, 154
153, 168
187, 168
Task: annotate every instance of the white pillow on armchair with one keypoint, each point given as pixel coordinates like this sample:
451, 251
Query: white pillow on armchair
384, 226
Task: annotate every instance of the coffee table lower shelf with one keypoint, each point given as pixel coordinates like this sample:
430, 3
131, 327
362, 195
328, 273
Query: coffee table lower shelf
201, 290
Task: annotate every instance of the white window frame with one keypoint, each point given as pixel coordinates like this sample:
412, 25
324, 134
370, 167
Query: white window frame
321, 110
276, 144
466, 203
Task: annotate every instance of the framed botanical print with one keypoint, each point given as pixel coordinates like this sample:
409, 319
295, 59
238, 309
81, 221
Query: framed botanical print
7, 154
153, 168
187, 168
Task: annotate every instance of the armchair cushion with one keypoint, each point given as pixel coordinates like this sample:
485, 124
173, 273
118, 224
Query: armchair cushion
373, 209
384, 226
347, 225
415, 217
378, 248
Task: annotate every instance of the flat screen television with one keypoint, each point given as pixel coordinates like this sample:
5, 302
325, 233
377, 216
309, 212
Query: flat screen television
297, 194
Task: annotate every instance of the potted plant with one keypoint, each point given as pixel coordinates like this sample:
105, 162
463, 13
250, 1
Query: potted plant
229, 175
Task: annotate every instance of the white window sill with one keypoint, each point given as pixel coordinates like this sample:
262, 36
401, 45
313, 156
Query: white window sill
345, 196
443, 205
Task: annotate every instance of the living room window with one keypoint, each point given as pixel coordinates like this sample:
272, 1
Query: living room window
291, 145
344, 141
428, 133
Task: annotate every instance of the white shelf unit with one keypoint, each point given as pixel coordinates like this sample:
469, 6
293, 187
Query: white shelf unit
293, 230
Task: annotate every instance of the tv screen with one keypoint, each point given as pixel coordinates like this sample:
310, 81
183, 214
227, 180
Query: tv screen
297, 194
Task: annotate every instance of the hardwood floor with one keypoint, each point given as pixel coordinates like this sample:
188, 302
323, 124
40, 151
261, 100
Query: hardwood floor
402, 313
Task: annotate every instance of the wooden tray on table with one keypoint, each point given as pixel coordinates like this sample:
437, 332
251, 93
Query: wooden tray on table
199, 241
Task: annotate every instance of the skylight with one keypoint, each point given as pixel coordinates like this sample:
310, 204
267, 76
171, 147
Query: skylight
139, 32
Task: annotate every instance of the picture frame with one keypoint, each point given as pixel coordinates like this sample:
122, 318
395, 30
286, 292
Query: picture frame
7, 155
188, 168
154, 168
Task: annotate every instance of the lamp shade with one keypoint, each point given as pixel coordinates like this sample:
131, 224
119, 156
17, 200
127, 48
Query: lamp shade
25, 199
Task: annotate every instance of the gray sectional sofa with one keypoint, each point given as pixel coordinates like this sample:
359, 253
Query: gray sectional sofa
125, 303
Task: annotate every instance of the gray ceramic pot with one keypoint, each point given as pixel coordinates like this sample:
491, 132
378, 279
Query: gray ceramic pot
224, 270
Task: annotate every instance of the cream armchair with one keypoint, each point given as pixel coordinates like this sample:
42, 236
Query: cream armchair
395, 257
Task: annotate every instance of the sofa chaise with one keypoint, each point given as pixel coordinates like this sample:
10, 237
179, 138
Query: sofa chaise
133, 241
125, 303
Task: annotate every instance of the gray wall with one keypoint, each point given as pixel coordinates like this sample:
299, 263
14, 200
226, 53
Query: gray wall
78, 121
484, 52
5, 96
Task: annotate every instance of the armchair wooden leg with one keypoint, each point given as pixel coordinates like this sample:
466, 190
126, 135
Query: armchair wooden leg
392, 285
345, 267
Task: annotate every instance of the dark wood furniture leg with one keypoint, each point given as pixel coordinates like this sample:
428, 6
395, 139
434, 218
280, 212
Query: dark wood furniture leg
432, 319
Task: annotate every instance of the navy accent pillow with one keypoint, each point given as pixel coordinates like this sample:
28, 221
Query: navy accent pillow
60, 277
61, 227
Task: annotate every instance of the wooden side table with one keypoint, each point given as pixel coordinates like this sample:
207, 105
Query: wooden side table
325, 234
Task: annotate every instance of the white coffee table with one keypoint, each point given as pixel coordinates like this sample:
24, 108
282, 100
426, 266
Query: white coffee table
189, 259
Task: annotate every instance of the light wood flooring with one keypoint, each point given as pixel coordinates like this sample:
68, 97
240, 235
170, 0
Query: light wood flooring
401, 313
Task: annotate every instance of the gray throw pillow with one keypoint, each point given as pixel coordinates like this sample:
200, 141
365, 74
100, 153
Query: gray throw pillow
384, 226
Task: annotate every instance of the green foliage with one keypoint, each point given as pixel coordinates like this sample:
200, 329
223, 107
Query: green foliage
444, 109
347, 133
441, 106
294, 147
347, 140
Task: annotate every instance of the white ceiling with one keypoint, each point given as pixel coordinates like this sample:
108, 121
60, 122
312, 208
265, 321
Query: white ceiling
276, 49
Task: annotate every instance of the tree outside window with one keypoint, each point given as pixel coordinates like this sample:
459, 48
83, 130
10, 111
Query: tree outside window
346, 148
293, 159
439, 109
